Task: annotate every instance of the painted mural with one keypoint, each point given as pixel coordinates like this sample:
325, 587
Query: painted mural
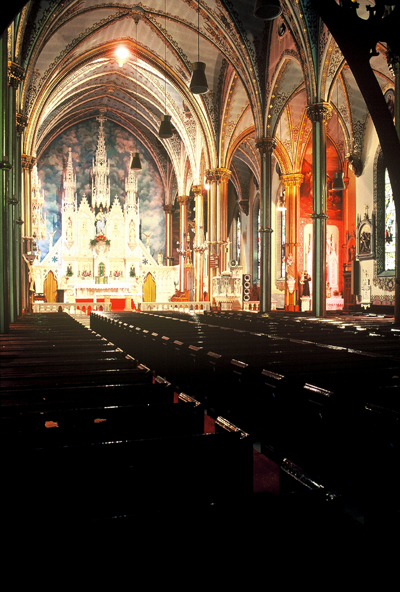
82, 139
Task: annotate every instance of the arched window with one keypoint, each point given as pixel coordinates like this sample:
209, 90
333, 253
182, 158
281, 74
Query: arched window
390, 226
256, 223
238, 238
384, 209
281, 226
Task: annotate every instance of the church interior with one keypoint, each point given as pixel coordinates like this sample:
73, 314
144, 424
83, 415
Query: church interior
212, 188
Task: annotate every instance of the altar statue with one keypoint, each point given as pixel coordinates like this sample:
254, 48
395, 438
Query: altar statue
101, 220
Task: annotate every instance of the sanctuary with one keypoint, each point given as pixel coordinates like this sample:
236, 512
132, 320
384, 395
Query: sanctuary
100, 255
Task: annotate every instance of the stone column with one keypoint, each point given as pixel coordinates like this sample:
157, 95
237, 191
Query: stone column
292, 191
318, 114
183, 202
222, 176
266, 146
169, 210
199, 246
218, 223
213, 261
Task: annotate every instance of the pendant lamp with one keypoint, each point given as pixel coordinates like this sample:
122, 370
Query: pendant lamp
338, 179
198, 83
267, 10
165, 130
338, 182
135, 162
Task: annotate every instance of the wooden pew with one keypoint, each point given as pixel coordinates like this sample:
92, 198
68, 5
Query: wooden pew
74, 484
155, 390
83, 425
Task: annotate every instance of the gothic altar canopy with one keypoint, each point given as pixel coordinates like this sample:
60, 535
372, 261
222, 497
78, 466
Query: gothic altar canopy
99, 253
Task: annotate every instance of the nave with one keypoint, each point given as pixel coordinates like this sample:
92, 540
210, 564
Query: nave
148, 424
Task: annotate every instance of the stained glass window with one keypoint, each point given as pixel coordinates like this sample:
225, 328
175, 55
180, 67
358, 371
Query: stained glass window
238, 238
390, 226
283, 241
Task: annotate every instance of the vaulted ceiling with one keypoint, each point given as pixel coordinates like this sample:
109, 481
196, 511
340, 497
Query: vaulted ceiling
261, 76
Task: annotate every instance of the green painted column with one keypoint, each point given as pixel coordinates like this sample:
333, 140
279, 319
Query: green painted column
266, 146
5, 167
15, 77
20, 230
318, 114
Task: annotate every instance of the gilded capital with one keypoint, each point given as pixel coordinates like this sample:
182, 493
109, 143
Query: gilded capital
218, 175
197, 189
16, 74
319, 112
27, 161
169, 208
183, 200
22, 122
266, 145
293, 180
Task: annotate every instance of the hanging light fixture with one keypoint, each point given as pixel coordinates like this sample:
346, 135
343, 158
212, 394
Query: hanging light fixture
135, 162
338, 182
198, 83
165, 130
267, 10
338, 179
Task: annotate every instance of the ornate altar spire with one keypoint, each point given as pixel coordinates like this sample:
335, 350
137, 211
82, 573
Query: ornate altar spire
131, 199
69, 184
101, 171
38, 219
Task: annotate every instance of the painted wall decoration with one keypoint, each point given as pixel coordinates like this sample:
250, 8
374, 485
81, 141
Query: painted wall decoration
82, 139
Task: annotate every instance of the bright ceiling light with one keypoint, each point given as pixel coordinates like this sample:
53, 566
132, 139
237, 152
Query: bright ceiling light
122, 54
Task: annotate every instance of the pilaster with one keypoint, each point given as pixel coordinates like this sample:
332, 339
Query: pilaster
199, 245
292, 184
183, 202
169, 210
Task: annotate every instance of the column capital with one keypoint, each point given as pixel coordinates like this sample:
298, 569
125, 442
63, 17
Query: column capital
266, 145
319, 112
183, 200
292, 180
198, 189
27, 161
22, 122
218, 174
169, 208
16, 74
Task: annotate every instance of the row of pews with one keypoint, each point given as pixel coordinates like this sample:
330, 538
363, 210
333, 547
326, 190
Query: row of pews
323, 394
103, 432
90, 436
